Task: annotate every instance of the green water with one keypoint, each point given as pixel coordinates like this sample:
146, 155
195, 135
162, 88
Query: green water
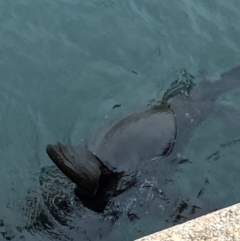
65, 63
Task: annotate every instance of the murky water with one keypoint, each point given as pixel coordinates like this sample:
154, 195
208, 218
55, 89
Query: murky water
64, 65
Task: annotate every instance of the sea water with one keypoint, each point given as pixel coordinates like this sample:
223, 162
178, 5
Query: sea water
65, 64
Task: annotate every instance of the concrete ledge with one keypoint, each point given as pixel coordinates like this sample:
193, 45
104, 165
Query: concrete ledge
222, 225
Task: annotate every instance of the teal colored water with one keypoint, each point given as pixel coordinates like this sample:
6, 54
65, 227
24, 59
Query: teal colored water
65, 63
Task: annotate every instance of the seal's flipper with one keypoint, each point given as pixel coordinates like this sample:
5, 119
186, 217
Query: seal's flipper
78, 164
228, 81
211, 90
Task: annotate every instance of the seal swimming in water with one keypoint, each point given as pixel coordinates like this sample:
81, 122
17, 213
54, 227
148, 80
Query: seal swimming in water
108, 162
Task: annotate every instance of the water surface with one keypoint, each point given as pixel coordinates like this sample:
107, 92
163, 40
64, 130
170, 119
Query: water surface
65, 63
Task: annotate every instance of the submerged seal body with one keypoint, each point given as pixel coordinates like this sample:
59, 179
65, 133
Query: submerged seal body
108, 162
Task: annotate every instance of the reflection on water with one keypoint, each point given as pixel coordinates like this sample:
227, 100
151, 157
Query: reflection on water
65, 65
